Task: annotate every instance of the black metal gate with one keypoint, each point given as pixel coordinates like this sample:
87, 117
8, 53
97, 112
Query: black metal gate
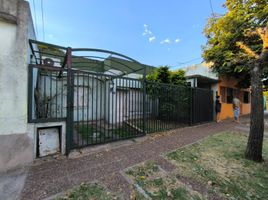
105, 108
202, 105
101, 103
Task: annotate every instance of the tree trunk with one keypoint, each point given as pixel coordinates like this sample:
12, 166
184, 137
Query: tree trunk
255, 139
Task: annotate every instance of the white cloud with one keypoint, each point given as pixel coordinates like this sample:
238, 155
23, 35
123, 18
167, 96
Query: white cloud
151, 39
147, 33
166, 41
177, 40
146, 30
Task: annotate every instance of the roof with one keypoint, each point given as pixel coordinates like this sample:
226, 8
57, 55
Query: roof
87, 59
203, 78
200, 70
127, 66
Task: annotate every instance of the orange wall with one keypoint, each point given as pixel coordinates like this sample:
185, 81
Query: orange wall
227, 109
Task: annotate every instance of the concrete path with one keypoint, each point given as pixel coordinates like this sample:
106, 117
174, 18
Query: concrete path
244, 125
11, 184
106, 165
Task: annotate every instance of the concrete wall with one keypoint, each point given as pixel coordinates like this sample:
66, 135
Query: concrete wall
123, 100
200, 69
16, 27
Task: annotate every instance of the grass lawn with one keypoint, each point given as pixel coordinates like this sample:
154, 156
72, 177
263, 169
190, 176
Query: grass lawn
89, 192
218, 162
157, 184
95, 134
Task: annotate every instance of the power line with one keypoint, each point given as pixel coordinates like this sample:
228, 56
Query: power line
35, 19
182, 63
211, 7
42, 10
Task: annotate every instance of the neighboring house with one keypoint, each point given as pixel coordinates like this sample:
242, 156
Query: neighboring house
202, 76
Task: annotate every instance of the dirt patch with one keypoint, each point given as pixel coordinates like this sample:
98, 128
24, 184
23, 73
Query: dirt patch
157, 184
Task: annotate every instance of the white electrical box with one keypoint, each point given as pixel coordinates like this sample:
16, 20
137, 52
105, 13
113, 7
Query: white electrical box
49, 141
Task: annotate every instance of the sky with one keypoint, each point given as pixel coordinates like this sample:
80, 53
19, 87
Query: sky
154, 32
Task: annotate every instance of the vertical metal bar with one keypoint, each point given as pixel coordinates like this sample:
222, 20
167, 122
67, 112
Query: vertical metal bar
77, 108
192, 105
109, 104
131, 105
56, 78
50, 94
87, 107
70, 97
104, 110
92, 108
45, 98
113, 112
97, 139
62, 90
144, 100
102, 135
120, 112
83, 107
30, 93
137, 109
116, 107
129, 120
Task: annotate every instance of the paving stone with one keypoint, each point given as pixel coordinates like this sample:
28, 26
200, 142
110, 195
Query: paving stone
48, 179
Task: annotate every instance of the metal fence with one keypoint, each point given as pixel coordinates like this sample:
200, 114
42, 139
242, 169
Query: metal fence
103, 107
106, 108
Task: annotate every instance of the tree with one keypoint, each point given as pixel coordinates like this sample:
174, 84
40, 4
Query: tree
168, 89
238, 46
164, 75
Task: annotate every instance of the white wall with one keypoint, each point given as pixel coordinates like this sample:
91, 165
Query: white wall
10, 120
14, 58
16, 27
200, 69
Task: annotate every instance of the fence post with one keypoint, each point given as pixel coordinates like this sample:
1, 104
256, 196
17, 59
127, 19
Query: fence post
70, 101
190, 106
30, 93
144, 100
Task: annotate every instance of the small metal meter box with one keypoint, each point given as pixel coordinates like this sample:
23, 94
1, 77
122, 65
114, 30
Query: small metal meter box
48, 141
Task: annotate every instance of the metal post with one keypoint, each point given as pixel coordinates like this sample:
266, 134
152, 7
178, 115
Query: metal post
30, 93
144, 100
70, 101
191, 97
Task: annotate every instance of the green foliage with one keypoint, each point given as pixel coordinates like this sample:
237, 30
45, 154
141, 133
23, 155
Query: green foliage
178, 77
169, 88
224, 31
164, 75
89, 191
165, 109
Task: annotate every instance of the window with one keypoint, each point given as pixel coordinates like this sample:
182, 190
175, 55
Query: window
246, 97
236, 93
189, 84
223, 94
230, 95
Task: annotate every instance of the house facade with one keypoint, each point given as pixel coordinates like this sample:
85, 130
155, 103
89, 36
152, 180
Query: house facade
202, 76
